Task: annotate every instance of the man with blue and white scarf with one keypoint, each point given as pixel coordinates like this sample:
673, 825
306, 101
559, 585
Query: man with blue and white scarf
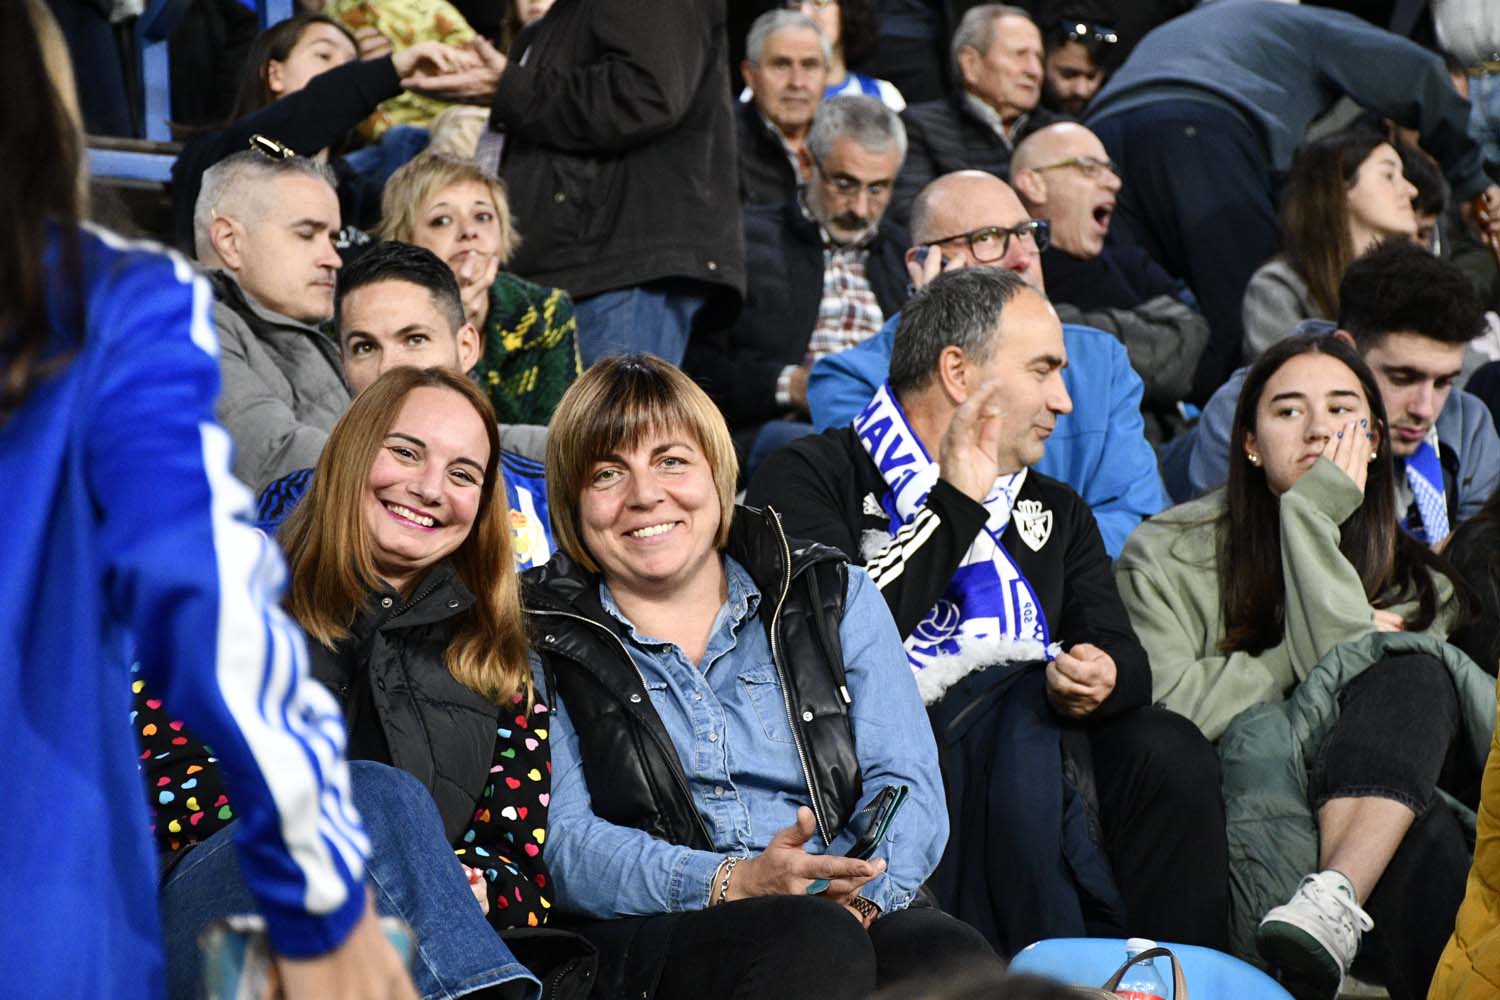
999, 583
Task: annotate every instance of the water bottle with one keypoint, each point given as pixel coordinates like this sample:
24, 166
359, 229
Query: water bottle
1141, 981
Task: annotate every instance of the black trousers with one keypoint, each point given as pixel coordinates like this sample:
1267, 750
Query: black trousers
1163, 818
1395, 738
1198, 195
781, 948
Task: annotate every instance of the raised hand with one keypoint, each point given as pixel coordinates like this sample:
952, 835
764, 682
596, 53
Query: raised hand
474, 83
432, 57
969, 459
785, 868
1349, 448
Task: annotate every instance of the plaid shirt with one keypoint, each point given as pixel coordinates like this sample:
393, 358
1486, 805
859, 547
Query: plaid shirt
848, 314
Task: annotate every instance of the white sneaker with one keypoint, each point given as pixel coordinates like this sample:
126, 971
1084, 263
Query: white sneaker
1312, 938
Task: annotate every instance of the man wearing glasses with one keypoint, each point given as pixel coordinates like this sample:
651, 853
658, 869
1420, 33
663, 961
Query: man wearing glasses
971, 219
997, 57
1064, 176
825, 271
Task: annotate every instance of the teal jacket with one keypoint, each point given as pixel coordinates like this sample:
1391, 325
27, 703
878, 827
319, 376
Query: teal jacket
1264, 757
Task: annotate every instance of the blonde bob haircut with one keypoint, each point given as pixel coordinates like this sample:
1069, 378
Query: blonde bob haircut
612, 408
420, 179
328, 543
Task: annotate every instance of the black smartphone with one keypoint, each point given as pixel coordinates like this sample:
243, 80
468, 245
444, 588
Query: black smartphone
874, 824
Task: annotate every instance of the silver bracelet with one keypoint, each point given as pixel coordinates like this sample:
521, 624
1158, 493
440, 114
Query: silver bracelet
723, 894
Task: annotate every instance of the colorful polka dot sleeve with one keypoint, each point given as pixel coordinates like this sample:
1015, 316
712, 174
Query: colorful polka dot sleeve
183, 780
505, 841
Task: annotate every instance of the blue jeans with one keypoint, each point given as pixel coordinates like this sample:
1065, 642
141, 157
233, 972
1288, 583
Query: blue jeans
654, 319
1484, 114
412, 869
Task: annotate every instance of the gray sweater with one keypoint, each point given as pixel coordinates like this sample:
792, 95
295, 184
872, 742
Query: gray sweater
1282, 65
1276, 300
282, 389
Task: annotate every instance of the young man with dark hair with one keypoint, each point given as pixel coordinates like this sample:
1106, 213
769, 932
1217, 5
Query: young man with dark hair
1077, 36
1410, 315
398, 305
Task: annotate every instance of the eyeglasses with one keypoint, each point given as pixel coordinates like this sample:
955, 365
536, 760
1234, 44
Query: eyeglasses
1089, 166
993, 242
848, 186
1081, 31
820, 4
266, 146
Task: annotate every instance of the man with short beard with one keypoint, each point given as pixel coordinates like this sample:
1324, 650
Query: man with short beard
825, 271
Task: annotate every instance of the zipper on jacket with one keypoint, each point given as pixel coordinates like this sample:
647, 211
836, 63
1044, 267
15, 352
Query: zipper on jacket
786, 694
670, 753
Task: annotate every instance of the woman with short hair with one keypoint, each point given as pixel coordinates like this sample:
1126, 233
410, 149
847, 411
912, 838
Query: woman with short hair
459, 211
728, 703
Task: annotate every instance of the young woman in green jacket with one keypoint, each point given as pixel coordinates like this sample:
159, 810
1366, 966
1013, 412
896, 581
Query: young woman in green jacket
1237, 597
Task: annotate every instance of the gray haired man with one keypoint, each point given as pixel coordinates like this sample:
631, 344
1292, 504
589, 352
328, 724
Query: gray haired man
826, 270
264, 227
785, 69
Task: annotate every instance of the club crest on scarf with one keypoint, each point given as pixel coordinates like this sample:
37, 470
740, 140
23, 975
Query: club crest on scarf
988, 613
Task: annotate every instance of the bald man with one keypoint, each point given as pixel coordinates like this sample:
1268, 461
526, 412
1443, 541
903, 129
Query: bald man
1099, 449
265, 228
1063, 175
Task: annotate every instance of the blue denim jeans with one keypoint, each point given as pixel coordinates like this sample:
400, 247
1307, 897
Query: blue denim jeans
654, 319
377, 161
412, 869
1484, 114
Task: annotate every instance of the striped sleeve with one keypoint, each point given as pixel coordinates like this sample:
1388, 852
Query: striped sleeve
199, 588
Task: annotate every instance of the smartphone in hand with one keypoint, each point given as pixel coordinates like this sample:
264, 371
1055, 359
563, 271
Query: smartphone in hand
873, 823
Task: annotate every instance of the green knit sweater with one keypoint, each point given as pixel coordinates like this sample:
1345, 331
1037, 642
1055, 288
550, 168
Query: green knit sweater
1168, 576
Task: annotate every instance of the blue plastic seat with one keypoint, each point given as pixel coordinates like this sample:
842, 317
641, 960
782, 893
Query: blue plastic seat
1211, 975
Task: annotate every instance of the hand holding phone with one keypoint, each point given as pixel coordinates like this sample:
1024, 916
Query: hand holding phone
874, 824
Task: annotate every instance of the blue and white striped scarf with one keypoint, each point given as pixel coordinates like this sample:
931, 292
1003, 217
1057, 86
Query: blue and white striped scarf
989, 613
1424, 474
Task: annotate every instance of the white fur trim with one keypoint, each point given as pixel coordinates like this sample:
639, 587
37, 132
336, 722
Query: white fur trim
947, 670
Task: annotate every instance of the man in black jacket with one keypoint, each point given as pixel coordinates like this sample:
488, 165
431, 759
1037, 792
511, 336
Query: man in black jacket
997, 57
1000, 585
618, 152
826, 270
785, 67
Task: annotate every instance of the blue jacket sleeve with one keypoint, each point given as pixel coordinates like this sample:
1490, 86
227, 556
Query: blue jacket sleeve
896, 746
603, 870
1124, 486
198, 587
1479, 459
841, 385
1208, 463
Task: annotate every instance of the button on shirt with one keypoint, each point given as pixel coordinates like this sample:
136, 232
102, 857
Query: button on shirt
728, 723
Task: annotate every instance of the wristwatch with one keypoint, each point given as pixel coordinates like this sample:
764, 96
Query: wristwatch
867, 909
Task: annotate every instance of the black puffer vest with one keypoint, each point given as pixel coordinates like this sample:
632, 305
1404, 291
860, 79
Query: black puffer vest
633, 773
435, 728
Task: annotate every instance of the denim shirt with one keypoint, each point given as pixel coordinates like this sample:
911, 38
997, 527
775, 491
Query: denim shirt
729, 727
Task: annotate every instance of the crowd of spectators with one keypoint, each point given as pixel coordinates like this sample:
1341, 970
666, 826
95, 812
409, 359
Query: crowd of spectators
803, 500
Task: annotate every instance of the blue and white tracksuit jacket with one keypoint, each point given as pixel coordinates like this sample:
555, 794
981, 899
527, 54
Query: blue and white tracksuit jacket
126, 526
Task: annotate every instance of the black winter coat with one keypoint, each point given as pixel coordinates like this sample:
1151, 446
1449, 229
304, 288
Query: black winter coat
766, 174
944, 136
407, 710
620, 152
738, 367
634, 776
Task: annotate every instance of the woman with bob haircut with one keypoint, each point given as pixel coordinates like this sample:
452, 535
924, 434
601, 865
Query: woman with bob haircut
403, 579
459, 211
1289, 617
1346, 192
728, 704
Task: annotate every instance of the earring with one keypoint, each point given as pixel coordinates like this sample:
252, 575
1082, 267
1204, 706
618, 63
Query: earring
1254, 458
1374, 455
